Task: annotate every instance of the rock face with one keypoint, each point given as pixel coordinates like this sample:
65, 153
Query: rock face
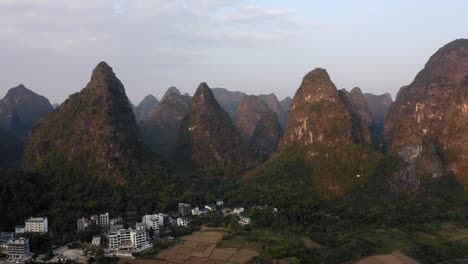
361, 113
250, 111
160, 130
321, 125
427, 124
208, 137
272, 102
21, 109
146, 107
266, 136
228, 100
94, 131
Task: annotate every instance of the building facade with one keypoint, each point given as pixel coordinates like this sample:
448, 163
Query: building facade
127, 239
37, 225
182, 221
185, 209
151, 221
18, 248
4, 238
82, 224
104, 220
96, 241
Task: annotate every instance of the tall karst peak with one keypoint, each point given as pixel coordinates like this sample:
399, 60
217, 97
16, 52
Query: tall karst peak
103, 79
266, 136
146, 107
172, 90
20, 110
207, 136
427, 123
160, 129
322, 127
204, 96
94, 130
251, 110
361, 110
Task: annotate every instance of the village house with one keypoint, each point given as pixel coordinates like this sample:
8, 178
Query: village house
96, 240
185, 209
4, 238
82, 224
210, 207
182, 221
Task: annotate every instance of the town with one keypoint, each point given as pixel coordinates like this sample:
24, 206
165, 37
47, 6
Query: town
112, 236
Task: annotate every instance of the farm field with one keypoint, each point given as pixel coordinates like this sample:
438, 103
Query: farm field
201, 248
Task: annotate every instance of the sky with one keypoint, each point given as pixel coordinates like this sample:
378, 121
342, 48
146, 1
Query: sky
256, 47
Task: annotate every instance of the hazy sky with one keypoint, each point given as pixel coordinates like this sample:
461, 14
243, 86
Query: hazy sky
252, 46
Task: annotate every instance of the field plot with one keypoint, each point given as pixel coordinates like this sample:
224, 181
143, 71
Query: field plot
200, 248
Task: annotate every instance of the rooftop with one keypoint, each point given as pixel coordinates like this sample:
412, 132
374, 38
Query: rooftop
36, 219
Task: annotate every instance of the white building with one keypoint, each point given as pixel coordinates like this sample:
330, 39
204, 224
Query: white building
244, 220
196, 211
19, 248
96, 240
128, 239
210, 207
104, 219
151, 221
182, 221
140, 226
36, 225
20, 229
219, 202
82, 224
116, 220
237, 210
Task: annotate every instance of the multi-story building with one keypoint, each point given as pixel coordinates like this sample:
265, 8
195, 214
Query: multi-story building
4, 238
37, 225
182, 221
94, 220
151, 221
127, 239
185, 209
104, 219
140, 226
138, 238
96, 240
20, 229
82, 224
164, 219
116, 220
18, 248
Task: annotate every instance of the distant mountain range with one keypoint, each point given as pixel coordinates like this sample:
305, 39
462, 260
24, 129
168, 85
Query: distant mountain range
340, 134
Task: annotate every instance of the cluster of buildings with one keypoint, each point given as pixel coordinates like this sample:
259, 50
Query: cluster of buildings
15, 245
102, 220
